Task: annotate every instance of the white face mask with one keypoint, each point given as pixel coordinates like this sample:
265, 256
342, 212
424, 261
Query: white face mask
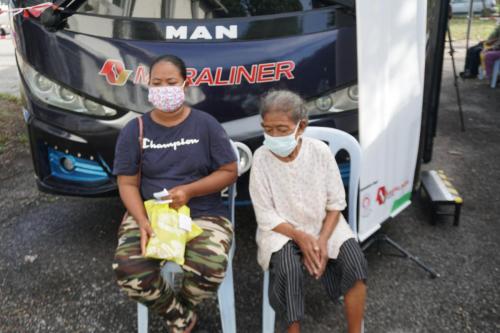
282, 145
167, 98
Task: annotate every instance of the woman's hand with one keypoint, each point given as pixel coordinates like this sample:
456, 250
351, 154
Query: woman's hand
310, 251
323, 256
179, 195
131, 197
213, 183
329, 224
146, 233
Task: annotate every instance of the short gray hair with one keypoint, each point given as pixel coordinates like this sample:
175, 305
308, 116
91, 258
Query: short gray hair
284, 101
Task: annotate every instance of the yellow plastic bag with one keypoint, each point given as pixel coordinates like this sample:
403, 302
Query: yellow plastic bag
170, 227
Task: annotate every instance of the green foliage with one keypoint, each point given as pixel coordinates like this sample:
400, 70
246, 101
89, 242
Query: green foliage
480, 28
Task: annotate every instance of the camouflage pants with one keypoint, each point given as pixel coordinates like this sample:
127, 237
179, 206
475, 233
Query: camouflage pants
205, 265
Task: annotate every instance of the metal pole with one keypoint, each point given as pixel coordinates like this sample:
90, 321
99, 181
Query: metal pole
455, 81
378, 238
469, 19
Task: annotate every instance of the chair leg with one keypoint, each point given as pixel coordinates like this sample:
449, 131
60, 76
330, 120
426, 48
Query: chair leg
457, 215
226, 301
495, 73
142, 318
434, 213
268, 315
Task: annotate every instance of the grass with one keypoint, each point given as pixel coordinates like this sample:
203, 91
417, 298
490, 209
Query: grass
3, 144
13, 136
9, 98
481, 28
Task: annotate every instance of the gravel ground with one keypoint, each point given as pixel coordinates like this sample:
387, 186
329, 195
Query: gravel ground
56, 252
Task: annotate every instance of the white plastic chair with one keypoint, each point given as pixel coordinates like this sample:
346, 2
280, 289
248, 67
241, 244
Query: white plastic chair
225, 294
337, 140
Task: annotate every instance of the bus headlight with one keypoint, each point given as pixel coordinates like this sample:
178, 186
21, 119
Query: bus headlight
338, 101
352, 92
42, 83
52, 93
324, 103
66, 95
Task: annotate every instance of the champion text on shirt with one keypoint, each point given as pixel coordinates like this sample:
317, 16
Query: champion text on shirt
148, 143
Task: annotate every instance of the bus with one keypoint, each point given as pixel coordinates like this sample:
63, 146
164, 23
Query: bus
84, 72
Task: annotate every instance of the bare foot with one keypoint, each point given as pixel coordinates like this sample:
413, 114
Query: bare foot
294, 327
193, 323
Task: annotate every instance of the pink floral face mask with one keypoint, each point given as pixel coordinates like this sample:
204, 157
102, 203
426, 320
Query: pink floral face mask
167, 98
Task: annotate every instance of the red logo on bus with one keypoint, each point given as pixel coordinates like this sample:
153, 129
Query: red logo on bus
117, 75
115, 72
236, 75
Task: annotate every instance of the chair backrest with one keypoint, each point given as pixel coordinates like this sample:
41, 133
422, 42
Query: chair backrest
338, 140
231, 192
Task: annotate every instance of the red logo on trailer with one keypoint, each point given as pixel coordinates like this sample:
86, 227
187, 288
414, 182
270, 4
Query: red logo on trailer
381, 195
366, 206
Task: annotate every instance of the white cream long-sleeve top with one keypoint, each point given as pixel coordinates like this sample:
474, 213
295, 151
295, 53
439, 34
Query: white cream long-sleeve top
299, 192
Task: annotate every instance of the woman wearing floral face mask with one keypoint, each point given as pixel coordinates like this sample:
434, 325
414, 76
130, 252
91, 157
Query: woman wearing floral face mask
187, 152
297, 194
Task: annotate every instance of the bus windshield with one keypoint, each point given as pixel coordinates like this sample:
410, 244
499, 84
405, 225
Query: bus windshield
197, 9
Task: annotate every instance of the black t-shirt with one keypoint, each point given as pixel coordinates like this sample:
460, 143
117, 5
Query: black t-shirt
175, 156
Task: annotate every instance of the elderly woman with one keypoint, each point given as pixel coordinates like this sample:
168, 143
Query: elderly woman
298, 196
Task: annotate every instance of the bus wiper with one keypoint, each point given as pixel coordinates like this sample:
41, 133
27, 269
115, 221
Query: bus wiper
54, 18
350, 4
347, 6
218, 5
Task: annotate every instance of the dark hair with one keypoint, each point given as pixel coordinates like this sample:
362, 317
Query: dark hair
174, 60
